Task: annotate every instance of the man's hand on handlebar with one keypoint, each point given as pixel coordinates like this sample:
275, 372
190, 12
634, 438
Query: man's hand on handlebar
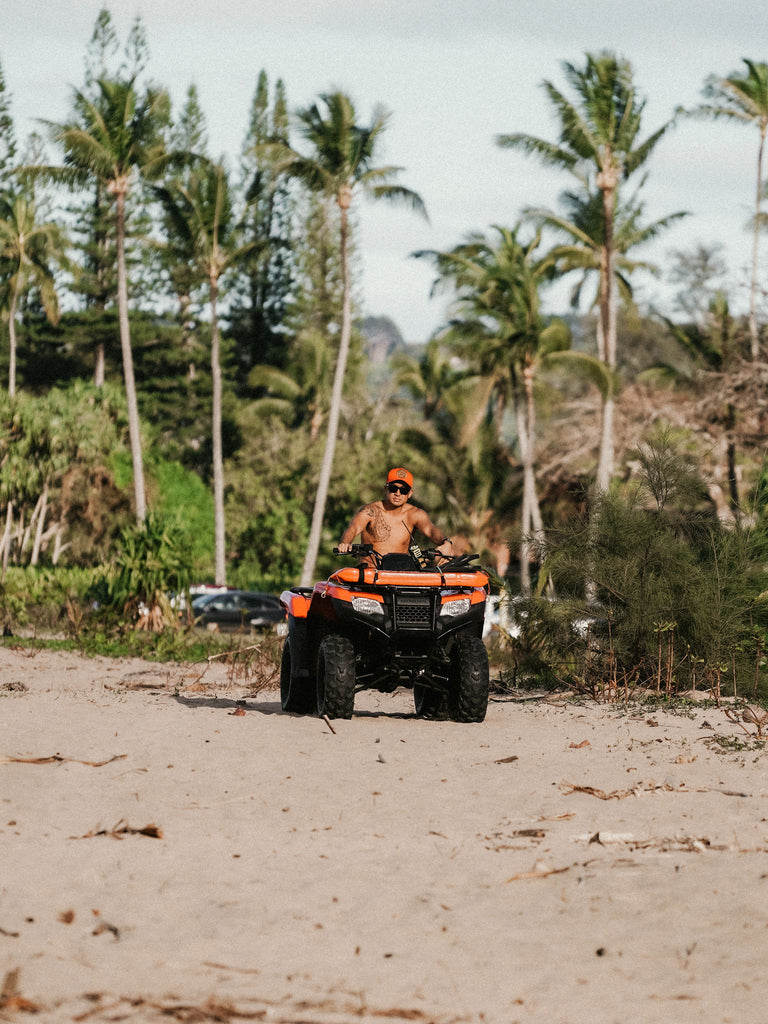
356, 550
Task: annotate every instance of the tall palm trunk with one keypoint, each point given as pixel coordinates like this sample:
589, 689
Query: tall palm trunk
99, 371
533, 539
6, 541
220, 567
37, 543
134, 428
12, 345
607, 181
754, 340
313, 546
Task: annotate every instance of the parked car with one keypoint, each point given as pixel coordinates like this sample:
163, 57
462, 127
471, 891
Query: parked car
237, 611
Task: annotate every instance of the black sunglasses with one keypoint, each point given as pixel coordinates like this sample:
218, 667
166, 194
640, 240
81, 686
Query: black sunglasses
398, 488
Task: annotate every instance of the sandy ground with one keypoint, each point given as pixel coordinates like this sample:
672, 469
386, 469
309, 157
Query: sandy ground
173, 847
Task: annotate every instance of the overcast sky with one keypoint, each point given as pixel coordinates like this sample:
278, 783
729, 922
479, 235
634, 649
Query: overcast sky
454, 74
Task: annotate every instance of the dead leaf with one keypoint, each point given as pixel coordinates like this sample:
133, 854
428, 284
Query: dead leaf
105, 926
14, 687
121, 829
10, 998
238, 712
67, 916
578, 746
507, 760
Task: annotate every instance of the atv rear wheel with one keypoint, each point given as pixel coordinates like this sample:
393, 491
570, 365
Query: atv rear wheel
296, 695
470, 680
430, 703
336, 677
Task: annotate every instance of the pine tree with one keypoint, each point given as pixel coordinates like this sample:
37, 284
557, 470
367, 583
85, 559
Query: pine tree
267, 276
7, 136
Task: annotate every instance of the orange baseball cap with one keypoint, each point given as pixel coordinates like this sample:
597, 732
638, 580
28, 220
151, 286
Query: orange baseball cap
398, 473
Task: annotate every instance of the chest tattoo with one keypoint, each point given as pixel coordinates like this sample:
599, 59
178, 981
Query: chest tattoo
381, 526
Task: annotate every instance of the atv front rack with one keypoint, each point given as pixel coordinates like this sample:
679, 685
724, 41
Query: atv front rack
407, 578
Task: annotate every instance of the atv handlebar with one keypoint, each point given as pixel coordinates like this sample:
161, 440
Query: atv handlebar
449, 563
358, 551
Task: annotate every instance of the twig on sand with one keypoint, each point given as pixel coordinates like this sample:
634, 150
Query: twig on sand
228, 654
327, 721
540, 870
58, 759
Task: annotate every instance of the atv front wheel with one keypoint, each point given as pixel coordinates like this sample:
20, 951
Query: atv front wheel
470, 680
336, 677
296, 695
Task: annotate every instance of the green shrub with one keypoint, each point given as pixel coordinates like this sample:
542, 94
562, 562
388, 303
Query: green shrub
151, 568
676, 599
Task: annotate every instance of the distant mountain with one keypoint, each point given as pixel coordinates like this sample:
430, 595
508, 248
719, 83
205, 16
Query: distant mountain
383, 337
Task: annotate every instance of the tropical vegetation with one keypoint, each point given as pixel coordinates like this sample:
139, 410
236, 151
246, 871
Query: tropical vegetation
192, 389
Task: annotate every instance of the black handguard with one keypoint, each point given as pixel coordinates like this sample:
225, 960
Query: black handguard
358, 551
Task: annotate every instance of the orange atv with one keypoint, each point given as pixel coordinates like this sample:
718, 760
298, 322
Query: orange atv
396, 621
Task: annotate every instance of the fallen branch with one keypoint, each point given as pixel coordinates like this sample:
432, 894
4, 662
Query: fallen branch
619, 794
58, 759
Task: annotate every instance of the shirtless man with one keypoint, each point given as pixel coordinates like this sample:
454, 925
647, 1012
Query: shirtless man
389, 524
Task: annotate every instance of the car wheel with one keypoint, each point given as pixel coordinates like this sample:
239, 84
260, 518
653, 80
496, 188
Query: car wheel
296, 695
336, 677
470, 680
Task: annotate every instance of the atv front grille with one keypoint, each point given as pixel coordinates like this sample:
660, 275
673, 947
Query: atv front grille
413, 609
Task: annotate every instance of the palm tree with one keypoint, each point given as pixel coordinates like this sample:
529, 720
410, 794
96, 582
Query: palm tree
744, 98
498, 327
582, 227
27, 251
201, 215
599, 143
300, 392
340, 163
432, 379
115, 141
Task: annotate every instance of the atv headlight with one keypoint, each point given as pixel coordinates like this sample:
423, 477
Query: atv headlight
458, 607
367, 606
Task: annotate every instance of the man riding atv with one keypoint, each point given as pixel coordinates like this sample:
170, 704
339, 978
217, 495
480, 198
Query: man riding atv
400, 618
389, 525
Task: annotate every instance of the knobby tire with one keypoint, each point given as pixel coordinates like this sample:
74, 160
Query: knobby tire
336, 677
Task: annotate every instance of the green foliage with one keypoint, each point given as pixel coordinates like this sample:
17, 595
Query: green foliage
151, 566
38, 598
269, 501
182, 497
678, 601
